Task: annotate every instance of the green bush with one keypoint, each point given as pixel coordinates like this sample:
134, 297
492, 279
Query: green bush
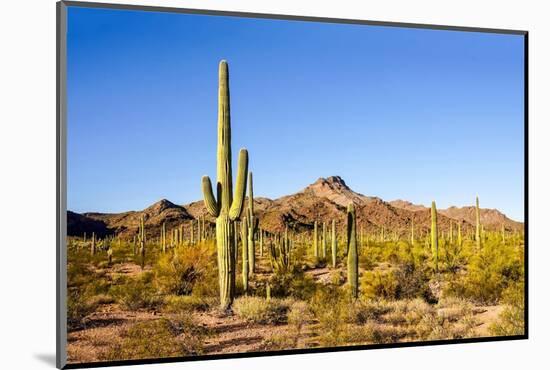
511, 319
137, 294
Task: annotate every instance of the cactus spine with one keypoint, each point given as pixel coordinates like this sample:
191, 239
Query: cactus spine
333, 242
435, 246
478, 228
228, 206
353, 260
251, 227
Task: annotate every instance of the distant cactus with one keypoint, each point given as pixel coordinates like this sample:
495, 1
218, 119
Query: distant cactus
141, 239
163, 237
459, 234
268, 292
109, 254
261, 243
451, 236
334, 243
435, 246
228, 206
353, 260
92, 246
315, 238
324, 244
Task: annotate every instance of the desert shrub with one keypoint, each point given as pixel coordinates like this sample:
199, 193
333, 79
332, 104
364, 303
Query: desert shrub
295, 284
156, 339
137, 294
489, 273
330, 308
175, 303
379, 284
179, 272
261, 311
78, 307
511, 319
363, 310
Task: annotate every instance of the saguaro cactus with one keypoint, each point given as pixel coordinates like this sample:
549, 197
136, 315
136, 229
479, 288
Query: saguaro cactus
141, 238
92, 246
459, 235
227, 207
324, 244
333, 242
245, 264
315, 238
163, 237
353, 260
435, 246
252, 226
478, 225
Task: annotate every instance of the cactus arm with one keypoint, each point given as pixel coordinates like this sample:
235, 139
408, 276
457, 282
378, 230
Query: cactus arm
240, 190
209, 200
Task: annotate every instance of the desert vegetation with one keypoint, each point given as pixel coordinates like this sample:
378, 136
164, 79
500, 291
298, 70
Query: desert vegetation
227, 280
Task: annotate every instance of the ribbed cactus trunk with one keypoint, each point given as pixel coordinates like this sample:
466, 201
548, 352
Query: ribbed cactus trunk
353, 260
435, 246
251, 227
261, 243
315, 238
225, 208
245, 264
236, 235
334, 244
478, 226
142, 242
324, 244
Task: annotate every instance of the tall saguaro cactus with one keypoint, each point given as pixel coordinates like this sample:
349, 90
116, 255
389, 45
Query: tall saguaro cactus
435, 246
478, 225
227, 207
353, 260
324, 243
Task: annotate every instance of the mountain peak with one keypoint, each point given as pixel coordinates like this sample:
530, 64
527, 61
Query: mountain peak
334, 182
336, 190
159, 206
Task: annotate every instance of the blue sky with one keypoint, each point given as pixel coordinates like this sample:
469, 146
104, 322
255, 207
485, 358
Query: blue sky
400, 113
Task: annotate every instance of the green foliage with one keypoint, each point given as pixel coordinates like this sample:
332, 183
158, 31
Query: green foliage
178, 272
511, 319
137, 293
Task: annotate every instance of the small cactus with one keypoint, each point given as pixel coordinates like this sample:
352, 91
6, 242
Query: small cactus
92, 246
245, 264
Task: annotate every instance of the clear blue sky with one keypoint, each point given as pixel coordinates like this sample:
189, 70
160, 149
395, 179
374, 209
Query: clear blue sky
397, 112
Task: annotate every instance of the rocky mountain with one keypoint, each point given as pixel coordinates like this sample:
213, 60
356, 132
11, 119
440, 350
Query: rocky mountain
324, 200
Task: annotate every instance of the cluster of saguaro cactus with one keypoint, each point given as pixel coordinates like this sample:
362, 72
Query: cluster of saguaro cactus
228, 206
353, 259
280, 252
435, 241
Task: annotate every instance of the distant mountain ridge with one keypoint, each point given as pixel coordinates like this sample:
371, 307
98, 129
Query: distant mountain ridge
324, 200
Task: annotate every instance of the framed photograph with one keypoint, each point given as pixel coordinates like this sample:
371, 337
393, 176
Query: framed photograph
235, 184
